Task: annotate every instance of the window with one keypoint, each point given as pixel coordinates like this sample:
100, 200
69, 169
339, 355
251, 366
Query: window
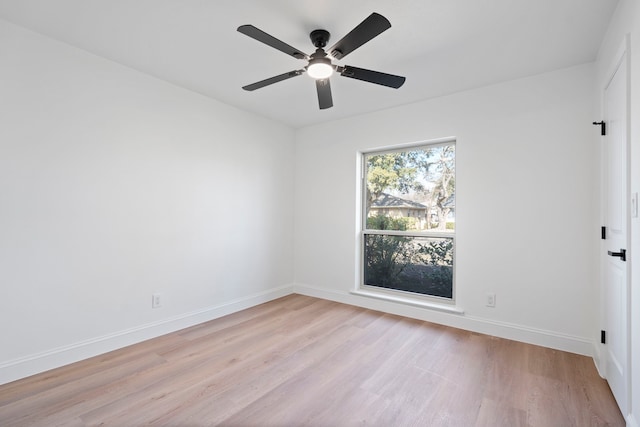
408, 225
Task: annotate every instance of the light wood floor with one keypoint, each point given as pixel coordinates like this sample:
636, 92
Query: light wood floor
305, 361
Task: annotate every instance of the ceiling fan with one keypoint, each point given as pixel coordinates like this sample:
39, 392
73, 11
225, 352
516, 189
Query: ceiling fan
320, 66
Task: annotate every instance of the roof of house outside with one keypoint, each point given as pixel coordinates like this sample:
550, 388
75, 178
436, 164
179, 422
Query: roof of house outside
385, 200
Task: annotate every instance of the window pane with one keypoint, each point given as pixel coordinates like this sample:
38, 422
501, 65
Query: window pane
413, 189
422, 265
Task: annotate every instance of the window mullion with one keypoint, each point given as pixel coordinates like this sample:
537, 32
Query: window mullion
410, 233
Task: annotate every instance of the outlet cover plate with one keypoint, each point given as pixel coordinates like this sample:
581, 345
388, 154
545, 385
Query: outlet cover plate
156, 301
491, 300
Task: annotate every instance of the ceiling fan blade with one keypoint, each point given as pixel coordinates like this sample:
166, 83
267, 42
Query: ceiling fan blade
269, 40
376, 77
373, 25
272, 80
324, 93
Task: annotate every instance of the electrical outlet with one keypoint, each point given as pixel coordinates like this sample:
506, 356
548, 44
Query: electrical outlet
491, 300
156, 301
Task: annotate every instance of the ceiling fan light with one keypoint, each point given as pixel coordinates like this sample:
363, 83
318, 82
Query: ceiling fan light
320, 70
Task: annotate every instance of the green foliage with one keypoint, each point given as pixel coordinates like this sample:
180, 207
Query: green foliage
392, 171
386, 257
407, 263
384, 222
441, 275
437, 252
428, 172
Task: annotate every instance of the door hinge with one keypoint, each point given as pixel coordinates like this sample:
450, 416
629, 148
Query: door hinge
603, 232
603, 127
603, 337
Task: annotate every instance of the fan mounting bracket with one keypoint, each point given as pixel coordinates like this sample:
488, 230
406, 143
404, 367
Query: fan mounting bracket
319, 38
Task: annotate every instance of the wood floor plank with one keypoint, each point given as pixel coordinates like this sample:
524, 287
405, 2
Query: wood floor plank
305, 361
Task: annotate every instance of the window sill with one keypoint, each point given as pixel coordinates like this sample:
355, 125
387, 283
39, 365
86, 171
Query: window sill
409, 301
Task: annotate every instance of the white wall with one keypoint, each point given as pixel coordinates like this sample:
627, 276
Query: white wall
526, 205
115, 185
626, 22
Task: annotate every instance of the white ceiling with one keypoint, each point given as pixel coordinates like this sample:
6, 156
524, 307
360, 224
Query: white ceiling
441, 46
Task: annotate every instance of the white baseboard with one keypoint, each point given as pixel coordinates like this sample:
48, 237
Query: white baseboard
510, 331
37, 363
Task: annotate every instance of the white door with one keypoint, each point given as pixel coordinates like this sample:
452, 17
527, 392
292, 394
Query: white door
616, 217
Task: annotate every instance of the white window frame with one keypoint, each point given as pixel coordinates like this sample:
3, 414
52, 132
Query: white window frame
411, 298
